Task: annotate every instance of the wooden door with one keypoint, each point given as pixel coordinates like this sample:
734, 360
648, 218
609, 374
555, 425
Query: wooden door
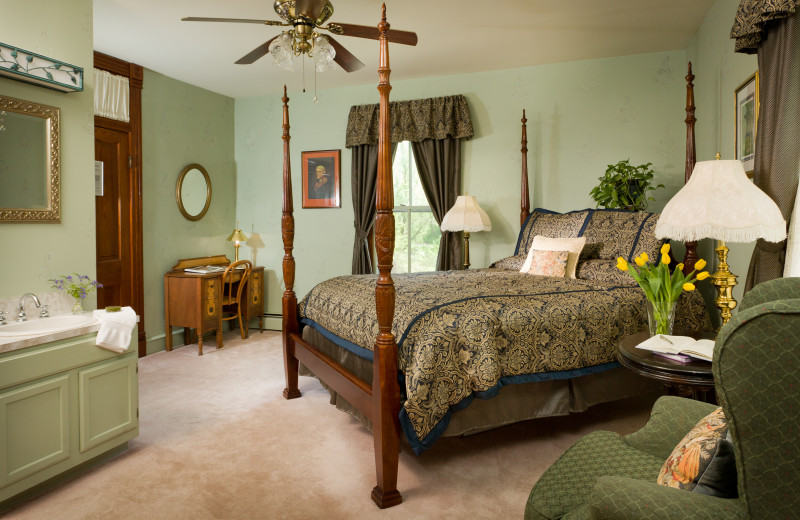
113, 212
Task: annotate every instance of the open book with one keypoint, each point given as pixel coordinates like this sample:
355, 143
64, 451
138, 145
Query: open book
205, 269
696, 348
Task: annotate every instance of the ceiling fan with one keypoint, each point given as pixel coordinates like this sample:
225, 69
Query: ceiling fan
306, 17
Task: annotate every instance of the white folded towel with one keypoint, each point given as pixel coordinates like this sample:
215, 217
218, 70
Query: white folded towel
115, 328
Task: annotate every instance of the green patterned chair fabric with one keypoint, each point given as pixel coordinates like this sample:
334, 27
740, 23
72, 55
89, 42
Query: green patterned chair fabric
756, 362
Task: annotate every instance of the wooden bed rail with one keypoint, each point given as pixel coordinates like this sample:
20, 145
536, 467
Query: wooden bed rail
525, 201
691, 157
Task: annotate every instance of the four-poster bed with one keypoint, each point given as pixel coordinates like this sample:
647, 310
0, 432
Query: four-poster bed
432, 316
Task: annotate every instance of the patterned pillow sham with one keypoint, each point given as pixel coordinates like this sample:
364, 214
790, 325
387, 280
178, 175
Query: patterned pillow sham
548, 263
603, 271
623, 233
510, 263
692, 456
550, 224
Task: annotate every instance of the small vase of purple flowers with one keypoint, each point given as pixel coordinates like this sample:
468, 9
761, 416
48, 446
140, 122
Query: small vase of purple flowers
76, 285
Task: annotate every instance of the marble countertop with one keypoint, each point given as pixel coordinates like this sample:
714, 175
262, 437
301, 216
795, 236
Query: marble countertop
12, 343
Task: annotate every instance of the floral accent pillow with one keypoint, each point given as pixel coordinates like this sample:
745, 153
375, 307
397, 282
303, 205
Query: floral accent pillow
548, 263
692, 456
572, 245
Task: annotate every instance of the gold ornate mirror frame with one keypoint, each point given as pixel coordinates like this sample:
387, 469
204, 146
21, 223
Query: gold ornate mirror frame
179, 191
51, 115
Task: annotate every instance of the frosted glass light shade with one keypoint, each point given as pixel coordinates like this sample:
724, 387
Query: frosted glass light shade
466, 215
720, 202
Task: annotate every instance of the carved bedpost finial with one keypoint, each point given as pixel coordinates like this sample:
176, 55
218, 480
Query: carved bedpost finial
525, 200
383, 12
691, 157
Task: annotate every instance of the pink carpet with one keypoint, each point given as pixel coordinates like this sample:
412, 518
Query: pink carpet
217, 441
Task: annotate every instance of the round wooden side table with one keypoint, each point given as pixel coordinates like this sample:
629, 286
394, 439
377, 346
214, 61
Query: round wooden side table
692, 379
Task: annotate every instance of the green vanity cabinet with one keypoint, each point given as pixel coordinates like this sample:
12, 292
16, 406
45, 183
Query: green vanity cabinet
63, 404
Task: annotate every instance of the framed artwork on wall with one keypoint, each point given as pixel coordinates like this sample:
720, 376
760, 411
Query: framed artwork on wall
747, 122
321, 179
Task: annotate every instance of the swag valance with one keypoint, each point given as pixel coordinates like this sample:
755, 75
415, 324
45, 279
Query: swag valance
414, 120
751, 17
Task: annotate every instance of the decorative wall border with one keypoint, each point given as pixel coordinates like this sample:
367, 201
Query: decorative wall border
27, 66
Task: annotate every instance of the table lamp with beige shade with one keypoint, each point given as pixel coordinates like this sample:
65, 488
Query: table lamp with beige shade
467, 216
720, 202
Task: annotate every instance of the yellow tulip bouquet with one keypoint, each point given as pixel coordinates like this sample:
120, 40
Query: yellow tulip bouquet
661, 287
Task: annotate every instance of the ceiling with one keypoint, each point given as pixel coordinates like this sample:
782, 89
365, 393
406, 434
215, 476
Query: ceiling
455, 37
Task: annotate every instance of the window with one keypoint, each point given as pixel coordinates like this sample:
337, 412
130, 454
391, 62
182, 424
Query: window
416, 242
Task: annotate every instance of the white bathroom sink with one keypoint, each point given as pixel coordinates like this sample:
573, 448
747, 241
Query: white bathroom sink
37, 326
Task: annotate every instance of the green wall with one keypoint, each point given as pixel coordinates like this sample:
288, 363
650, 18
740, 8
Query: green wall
719, 72
582, 116
34, 253
182, 124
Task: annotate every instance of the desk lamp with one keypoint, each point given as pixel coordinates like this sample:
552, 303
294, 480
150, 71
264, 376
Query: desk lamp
466, 216
237, 237
720, 202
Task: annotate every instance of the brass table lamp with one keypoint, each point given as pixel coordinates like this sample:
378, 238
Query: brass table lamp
720, 202
237, 237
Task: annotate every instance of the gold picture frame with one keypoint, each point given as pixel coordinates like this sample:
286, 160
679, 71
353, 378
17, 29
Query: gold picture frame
746, 121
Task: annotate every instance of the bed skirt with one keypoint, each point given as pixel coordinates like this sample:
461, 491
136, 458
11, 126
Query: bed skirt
514, 403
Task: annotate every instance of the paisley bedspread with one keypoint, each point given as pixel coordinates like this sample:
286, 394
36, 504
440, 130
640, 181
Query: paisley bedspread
466, 333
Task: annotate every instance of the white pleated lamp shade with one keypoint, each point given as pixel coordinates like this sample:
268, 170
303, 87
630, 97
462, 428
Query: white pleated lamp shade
466, 215
720, 202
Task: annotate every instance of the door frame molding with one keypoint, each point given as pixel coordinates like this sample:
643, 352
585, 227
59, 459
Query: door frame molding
135, 75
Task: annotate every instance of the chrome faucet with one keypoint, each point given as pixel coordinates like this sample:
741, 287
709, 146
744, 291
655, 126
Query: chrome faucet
22, 316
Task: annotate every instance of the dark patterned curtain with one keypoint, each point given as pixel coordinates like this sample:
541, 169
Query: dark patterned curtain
439, 166
752, 17
777, 153
435, 127
364, 175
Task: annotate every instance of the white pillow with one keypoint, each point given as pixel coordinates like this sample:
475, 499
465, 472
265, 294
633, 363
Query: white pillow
573, 245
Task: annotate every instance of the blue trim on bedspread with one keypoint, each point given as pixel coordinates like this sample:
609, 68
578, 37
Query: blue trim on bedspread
420, 446
347, 345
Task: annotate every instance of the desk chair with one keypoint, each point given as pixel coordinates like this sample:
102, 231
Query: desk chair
234, 280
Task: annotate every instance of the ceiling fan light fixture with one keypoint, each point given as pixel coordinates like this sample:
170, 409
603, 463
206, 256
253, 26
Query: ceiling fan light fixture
282, 50
324, 53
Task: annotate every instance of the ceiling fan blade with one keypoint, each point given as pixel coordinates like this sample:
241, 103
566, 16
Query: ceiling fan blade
256, 53
365, 31
235, 20
344, 58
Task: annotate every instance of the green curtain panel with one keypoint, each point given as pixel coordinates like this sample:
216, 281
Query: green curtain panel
415, 120
748, 28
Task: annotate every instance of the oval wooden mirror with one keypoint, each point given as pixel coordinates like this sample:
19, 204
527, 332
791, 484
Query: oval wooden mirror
193, 192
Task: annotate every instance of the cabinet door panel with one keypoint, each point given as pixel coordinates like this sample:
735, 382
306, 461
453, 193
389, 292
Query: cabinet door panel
108, 401
34, 428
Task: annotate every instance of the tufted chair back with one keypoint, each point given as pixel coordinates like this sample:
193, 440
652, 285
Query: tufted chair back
757, 374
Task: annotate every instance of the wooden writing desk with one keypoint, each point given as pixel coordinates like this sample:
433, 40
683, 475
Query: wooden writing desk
193, 300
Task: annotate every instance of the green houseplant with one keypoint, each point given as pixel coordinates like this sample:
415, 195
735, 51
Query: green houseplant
625, 186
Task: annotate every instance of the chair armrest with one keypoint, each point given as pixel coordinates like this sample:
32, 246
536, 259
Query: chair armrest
778, 289
629, 499
671, 419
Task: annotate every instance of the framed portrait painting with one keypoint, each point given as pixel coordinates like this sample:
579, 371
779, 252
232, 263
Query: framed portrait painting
321, 179
747, 122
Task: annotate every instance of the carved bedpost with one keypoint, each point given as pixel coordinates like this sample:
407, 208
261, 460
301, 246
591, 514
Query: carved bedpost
525, 201
289, 307
691, 157
385, 389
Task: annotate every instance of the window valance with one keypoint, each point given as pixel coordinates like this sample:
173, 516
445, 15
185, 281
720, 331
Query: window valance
751, 17
414, 120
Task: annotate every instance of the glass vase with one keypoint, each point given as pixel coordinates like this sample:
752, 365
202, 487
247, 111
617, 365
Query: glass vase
77, 308
660, 317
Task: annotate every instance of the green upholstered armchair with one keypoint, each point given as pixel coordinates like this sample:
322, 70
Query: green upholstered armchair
757, 374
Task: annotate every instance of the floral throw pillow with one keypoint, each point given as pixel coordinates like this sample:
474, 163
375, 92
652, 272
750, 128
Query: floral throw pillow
692, 456
548, 263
